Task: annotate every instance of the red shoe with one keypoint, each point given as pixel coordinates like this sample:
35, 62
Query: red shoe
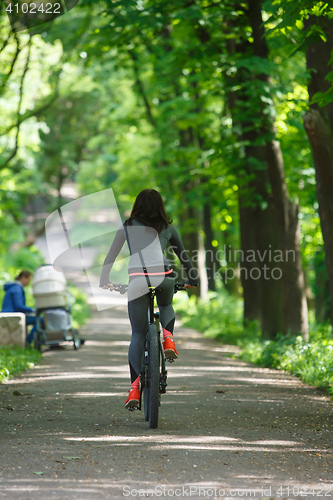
169, 349
133, 399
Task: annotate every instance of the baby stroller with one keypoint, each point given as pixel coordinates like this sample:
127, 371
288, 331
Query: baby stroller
53, 311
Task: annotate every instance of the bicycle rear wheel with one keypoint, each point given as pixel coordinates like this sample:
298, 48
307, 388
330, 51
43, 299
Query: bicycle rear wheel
152, 389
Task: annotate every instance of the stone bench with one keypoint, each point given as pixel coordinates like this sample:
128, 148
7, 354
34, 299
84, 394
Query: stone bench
12, 329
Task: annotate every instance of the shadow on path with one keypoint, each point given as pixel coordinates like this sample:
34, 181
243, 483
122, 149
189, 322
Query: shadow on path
227, 429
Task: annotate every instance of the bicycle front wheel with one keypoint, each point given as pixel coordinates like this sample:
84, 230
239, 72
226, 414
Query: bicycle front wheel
152, 390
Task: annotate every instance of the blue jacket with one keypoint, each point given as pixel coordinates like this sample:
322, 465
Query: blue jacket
14, 299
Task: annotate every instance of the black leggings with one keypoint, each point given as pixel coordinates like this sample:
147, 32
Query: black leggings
138, 305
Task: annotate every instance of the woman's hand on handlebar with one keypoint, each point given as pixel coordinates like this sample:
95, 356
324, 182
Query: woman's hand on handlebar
109, 286
123, 288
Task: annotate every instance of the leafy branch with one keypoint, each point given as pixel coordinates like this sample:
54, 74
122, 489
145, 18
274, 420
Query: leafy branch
8, 75
26, 67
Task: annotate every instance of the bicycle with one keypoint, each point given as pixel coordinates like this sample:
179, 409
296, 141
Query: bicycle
153, 376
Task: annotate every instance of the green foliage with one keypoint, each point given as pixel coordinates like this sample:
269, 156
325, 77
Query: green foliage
79, 307
221, 318
312, 361
218, 317
14, 361
12, 262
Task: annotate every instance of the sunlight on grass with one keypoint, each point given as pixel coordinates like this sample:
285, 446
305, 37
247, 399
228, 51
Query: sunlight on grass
14, 361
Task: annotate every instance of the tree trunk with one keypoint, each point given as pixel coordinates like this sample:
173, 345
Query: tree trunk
260, 234
320, 135
322, 289
294, 289
268, 241
209, 249
318, 124
190, 237
293, 286
274, 222
252, 291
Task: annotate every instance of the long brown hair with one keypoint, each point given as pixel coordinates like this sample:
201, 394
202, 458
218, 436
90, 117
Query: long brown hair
148, 209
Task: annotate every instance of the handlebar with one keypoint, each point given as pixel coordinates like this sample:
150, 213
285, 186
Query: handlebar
179, 287
118, 287
122, 289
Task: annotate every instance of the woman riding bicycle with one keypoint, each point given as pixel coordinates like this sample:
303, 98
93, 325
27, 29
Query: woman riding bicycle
148, 231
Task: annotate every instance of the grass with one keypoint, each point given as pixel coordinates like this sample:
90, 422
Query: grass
312, 361
220, 317
14, 361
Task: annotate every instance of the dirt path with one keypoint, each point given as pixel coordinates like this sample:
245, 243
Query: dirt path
227, 429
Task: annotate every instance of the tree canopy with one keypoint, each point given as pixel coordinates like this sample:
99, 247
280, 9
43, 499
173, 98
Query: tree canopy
206, 101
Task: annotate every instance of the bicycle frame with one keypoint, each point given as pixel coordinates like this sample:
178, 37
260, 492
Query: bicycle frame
153, 376
154, 318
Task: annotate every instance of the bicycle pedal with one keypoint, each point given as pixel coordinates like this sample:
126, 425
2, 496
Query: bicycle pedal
170, 360
132, 408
